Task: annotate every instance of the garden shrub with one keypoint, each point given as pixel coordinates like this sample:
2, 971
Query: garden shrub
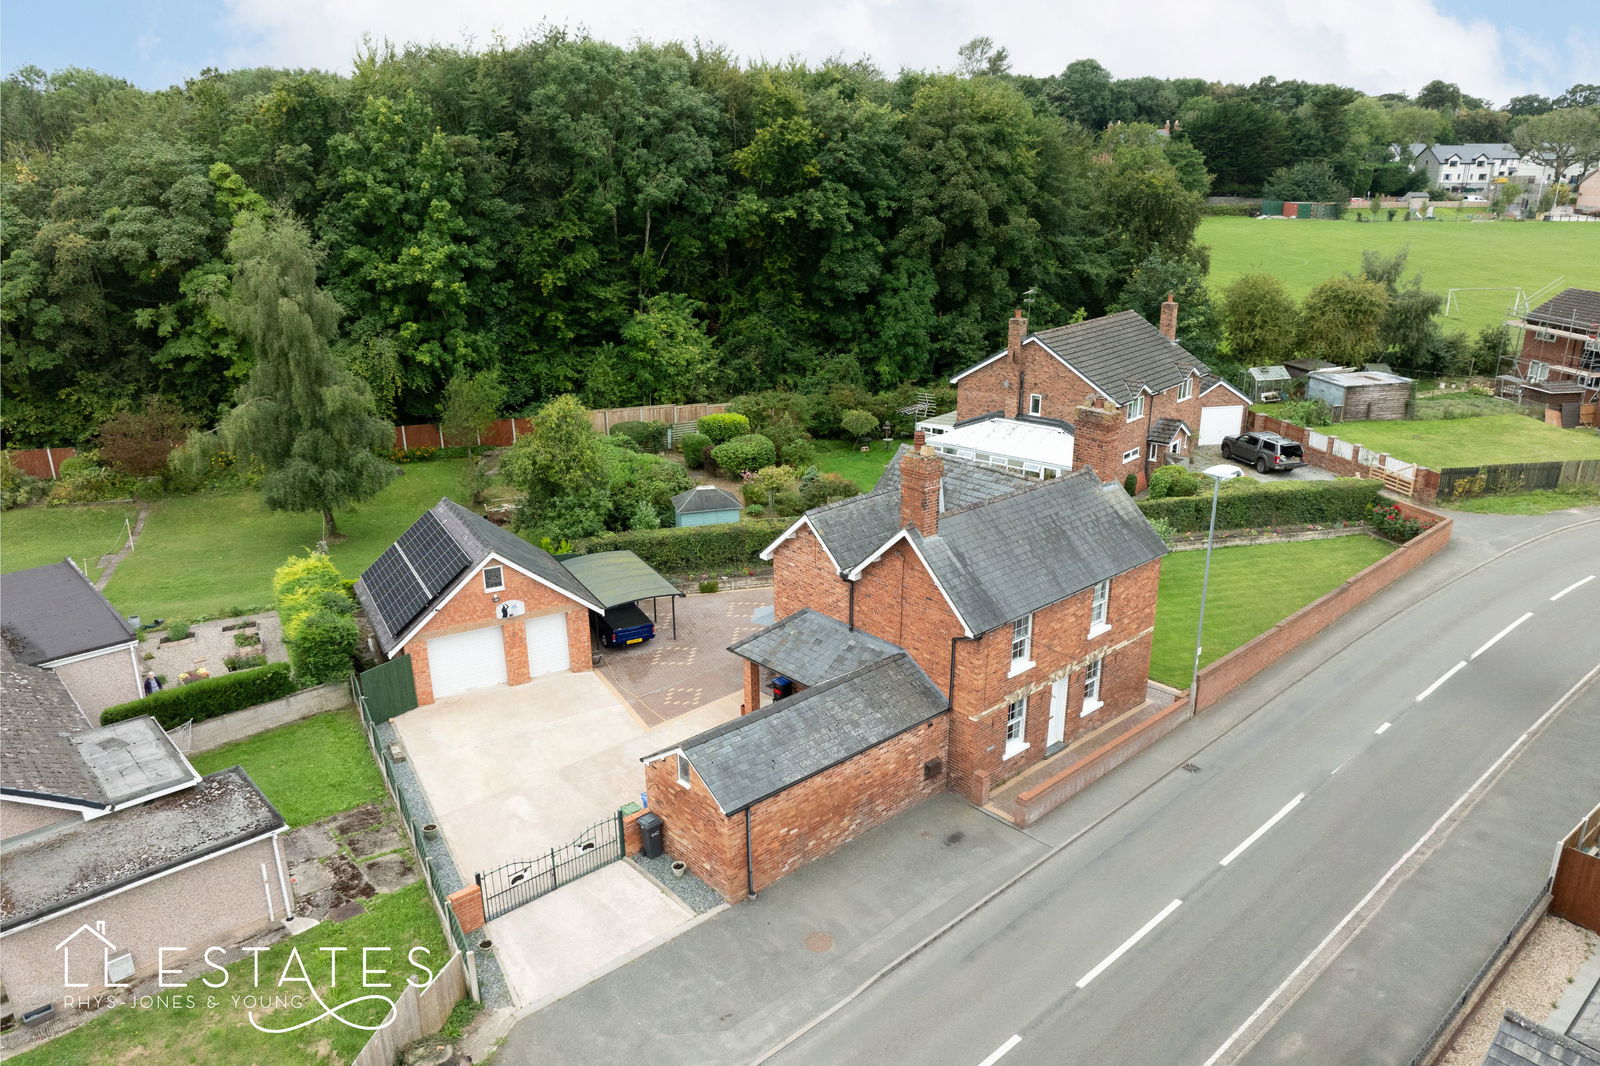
798, 453
749, 451
649, 436
1393, 524
827, 489
1256, 505
322, 645
694, 447
1166, 481
305, 571
200, 700
1164, 530
644, 517
179, 630
858, 425
419, 454
617, 440
755, 510
83, 480
1307, 413
1130, 484
693, 549
247, 661
306, 600
790, 504
18, 489
708, 586
245, 640
767, 483
724, 427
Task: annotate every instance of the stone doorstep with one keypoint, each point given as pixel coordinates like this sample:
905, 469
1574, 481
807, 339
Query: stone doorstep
1001, 801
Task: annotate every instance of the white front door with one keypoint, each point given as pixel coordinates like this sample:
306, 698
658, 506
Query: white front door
462, 661
547, 645
1219, 422
1058, 714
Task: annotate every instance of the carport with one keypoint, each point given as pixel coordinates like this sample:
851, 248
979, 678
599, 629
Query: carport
617, 577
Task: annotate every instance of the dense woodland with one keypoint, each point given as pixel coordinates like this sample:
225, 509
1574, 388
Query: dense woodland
644, 224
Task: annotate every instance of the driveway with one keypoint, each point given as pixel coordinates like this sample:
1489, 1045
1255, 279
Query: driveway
1209, 455
665, 678
511, 772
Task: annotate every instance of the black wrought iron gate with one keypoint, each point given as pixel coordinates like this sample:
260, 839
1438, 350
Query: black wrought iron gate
510, 886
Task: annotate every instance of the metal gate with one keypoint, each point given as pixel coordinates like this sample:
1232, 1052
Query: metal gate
510, 886
387, 690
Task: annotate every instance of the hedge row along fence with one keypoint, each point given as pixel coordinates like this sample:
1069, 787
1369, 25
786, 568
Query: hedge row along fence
693, 549
200, 700
1256, 505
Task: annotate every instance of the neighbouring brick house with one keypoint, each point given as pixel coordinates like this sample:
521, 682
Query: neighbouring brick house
112, 847
1559, 365
55, 619
1131, 396
1017, 611
474, 605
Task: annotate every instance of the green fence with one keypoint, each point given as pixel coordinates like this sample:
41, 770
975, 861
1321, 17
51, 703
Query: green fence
387, 690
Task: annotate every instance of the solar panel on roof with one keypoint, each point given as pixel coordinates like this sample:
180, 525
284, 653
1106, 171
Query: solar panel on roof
437, 559
394, 589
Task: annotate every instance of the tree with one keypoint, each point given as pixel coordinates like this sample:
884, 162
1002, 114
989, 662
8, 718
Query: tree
1258, 318
1242, 142
1442, 96
1529, 105
303, 416
471, 404
1312, 180
1565, 139
1340, 320
768, 483
859, 424
558, 466
138, 442
980, 56
1408, 328
1183, 278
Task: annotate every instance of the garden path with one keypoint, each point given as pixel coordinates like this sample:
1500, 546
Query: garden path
108, 563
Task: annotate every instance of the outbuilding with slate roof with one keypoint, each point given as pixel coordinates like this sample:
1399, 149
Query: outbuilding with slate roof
706, 505
54, 618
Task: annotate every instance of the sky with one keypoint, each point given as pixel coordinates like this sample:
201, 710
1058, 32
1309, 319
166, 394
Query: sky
1490, 48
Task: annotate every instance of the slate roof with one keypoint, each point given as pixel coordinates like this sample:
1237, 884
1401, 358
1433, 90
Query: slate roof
966, 483
810, 647
1468, 152
1165, 430
52, 612
1521, 1042
706, 498
73, 862
473, 536
759, 755
1117, 354
1572, 307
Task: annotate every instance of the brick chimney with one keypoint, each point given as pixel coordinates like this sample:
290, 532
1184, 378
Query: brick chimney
1169, 319
920, 475
1016, 329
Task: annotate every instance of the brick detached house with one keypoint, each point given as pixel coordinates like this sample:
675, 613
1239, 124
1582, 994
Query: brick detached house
1129, 395
950, 629
1559, 365
55, 619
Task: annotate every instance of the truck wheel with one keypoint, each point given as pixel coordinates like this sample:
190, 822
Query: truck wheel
1261, 466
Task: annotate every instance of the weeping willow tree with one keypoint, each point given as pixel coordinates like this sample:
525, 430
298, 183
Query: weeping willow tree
303, 417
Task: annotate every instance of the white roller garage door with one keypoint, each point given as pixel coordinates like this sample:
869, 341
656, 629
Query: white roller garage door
547, 645
1219, 422
462, 661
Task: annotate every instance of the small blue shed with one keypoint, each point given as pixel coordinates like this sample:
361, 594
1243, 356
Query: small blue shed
706, 505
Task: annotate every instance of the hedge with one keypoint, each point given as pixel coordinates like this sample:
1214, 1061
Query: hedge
694, 447
723, 427
693, 549
649, 436
1257, 504
215, 696
744, 453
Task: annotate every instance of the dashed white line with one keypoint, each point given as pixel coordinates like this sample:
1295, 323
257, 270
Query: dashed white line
1257, 835
1001, 1050
1128, 943
1569, 588
1341, 766
1382, 729
1494, 639
1448, 674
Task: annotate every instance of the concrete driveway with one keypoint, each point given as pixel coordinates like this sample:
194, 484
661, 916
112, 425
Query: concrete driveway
514, 771
1201, 458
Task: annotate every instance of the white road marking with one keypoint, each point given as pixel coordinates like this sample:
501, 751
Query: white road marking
1341, 766
1569, 588
1382, 729
1257, 835
1448, 674
1128, 943
1001, 1050
1373, 891
1495, 639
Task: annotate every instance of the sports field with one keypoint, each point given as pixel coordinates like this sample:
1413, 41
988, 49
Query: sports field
1448, 254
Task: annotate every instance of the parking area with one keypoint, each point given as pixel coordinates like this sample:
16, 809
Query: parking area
665, 678
1209, 455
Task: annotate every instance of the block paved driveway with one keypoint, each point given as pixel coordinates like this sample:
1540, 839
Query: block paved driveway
665, 678
1209, 455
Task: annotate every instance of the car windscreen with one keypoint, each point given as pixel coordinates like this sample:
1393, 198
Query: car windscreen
1290, 450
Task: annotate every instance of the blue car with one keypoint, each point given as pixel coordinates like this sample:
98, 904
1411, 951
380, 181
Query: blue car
625, 624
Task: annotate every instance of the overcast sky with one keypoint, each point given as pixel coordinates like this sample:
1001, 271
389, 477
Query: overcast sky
1491, 48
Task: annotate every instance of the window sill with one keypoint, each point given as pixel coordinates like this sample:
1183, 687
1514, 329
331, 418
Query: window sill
1099, 629
1020, 666
1014, 748
1089, 707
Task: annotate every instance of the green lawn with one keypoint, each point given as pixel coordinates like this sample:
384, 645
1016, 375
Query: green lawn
309, 769
212, 553
837, 457
1472, 441
34, 536
1253, 588
1449, 255
218, 1031
1539, 501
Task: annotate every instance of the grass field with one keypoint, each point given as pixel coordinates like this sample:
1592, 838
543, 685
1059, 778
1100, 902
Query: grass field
207, 554
1539, 501
35, 536
1253, 588
1472, 441
309, 769
837, 457
1448, 254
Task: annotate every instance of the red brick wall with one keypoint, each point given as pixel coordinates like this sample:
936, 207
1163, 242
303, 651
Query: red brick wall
804, 576
695, 831
1561, 351
995, 387
473, 608
896, 599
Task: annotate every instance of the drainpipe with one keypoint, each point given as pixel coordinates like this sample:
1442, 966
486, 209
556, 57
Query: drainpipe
1022, 379
749, 858
852, 614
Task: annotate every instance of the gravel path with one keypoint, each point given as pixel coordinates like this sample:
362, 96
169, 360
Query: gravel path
1531, 985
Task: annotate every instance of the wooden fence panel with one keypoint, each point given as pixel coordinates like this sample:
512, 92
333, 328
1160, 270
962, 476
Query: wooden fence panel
41, 462
417, 1014
1575, 895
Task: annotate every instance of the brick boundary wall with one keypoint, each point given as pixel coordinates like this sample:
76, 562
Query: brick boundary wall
1425, 481
1228, 673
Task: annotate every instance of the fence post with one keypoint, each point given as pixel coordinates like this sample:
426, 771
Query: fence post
403, 445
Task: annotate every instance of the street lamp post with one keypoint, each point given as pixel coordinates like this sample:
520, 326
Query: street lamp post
1218, 474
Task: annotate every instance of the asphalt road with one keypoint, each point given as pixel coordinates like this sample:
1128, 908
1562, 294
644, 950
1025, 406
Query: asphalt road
1319, 888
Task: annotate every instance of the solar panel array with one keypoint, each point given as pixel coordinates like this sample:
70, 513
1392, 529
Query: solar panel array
394, 587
